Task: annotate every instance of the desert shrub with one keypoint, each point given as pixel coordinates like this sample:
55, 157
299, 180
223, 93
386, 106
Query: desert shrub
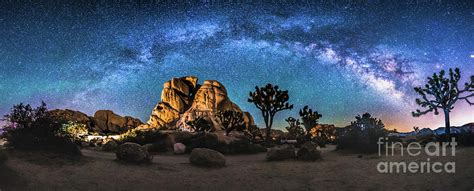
204, 140
184, 137
3, 157
141, 137
34, 129
241, 146
362, 135
77, 131
200, 124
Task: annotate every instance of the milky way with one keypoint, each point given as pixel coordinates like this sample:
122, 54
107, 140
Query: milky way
340, 59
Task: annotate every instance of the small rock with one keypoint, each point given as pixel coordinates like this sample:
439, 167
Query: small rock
179, 148
207, 158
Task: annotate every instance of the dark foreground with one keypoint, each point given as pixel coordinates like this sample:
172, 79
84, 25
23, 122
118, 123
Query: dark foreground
336, 171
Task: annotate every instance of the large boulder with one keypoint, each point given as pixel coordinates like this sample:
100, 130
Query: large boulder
184, 100
176, 98
71, 115
132, 152
104, 121
207, 158
281, 153
108, 121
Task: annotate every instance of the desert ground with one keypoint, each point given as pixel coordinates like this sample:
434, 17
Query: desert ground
99, 170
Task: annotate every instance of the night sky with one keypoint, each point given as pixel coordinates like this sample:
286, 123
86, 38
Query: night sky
340, 59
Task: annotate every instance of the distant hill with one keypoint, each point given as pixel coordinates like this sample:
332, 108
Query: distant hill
466, 128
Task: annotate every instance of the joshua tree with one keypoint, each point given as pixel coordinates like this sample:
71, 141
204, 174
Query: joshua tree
310, 119
294, 128
231, 120
269, 100
441, 93
416, 129
200, 125
253, 132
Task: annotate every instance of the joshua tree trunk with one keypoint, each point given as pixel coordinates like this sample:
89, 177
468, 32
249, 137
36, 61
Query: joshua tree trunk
447, 126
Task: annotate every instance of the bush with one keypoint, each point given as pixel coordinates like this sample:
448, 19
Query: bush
184, 137
362, 135
3, 157
205, 140
34, 129
77, 131
142, 137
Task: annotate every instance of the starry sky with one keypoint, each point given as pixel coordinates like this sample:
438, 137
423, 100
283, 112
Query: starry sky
341, 59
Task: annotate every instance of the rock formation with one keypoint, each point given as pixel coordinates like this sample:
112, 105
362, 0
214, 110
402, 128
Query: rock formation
183, 100
104, 121
108, 121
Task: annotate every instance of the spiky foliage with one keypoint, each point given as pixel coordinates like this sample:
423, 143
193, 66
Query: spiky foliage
200, 125
254, 133
362, 135
231, 120
269, 100
295, 131
310, 119
441, 93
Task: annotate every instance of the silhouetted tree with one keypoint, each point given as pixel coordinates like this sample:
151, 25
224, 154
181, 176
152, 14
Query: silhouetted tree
33, 129
254, 133
200, 125
269, 100
22, 116
294, 128
363, 134
416, 129
231, 120
442, 93
310, 120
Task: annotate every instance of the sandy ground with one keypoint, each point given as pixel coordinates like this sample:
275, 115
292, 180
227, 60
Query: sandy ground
336, 171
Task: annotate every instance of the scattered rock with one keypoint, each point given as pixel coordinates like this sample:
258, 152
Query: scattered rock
308, 152
179, 148
281, 153
110, 145
207, 158
132, 152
